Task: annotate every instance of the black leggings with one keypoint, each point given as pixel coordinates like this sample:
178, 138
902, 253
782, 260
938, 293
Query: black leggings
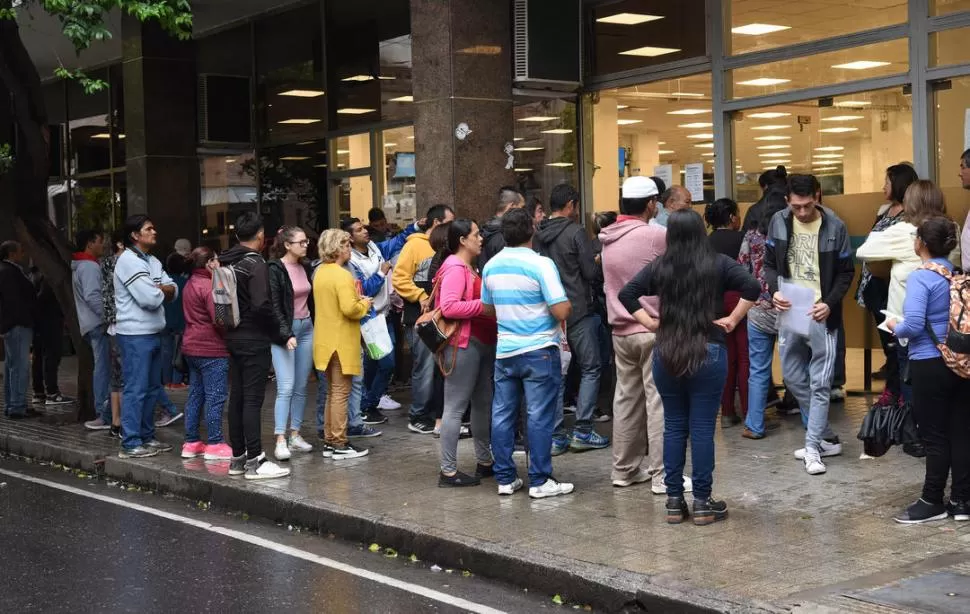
248, 369
941, 407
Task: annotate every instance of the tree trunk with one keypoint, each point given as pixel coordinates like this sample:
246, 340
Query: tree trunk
23, 194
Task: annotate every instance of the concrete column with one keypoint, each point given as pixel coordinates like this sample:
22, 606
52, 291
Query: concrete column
461, 74
160, 144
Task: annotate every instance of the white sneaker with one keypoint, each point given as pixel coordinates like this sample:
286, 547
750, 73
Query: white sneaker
387, 403
638, 478
837, 394
261, 469
509, 489
813, 462
282, 452
827, 449
551, 488
658, 487
298, 444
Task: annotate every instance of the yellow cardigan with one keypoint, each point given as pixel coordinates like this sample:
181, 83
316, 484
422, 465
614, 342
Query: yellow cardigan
336, 319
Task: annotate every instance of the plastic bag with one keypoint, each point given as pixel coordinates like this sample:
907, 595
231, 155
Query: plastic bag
377, 341
565, 354
887, 425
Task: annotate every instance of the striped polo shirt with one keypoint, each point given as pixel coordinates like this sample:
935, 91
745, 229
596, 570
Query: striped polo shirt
522, 285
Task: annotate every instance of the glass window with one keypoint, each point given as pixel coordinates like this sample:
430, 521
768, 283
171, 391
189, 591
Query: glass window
228, 183
545, 153
636, 33
864, 62
757, 25
354, 196
351, 152
400, 183
949, 47
225, 65
89, 126
942, 7
652, 130
951, 99
293, 186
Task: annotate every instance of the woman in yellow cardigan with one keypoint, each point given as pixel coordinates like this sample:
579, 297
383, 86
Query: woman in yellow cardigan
338, 309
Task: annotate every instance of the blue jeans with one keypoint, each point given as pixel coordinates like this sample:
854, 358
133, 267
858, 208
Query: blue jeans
354, 418
584, 343
170, 375
208, 379
761, 350
292, 368
422, 378
16, 370
538, 374
97, 338
141, 358
690, 410
378, 374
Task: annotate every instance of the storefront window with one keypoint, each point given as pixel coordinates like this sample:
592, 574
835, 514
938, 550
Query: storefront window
89, 126
228, 188
942, 7
354, 195
951, 100
636, 33
546, 152
949, 47
350, 152
400, 182
757, 25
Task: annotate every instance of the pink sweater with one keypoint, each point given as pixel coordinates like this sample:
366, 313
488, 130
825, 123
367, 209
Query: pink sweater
201, 337
460, 298
629, 245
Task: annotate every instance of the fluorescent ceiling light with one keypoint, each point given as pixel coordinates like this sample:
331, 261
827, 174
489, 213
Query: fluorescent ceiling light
300, 121
708, 154
359, 78
230, 160
649, 52
306, 143
695, 125
774, 147
521, 170
764, 81
538, 118
852, 104
843, 118
830, 148
341, 165
826, 156
628, 19
771, 168
627, 122
774, 155
689, 112
295, 158
402, 99
481, 50
390, 144
620, 107
705, 146
560, 164
101, 135
355, 111
700, 136
518, 138
410, 138
838, 130
558, 131
319, 166
774, 137
385, 78
661, 142
666, 152
342, 152
664, 95
826, 168
860, 65
758, 29
529, 148
772, 127
302, 93
769, 115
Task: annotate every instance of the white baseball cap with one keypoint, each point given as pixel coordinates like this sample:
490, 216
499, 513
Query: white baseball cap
639, 187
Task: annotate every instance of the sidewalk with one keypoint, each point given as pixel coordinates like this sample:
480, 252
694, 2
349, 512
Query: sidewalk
824, 543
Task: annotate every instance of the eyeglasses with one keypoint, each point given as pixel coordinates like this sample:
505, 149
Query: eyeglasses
302, 243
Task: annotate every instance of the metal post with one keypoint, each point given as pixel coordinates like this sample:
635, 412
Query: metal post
718, 14
923, 156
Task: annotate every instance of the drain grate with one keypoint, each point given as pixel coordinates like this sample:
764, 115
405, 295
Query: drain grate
942, 592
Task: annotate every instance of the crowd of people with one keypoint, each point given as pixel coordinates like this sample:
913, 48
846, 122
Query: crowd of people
681, 311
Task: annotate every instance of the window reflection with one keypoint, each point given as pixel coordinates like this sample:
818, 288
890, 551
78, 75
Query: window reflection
89, 126
293, 186
228, 188
545, 146
400, 182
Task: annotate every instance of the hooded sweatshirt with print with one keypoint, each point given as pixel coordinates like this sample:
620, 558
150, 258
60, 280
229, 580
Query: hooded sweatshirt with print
88, 298
629, 245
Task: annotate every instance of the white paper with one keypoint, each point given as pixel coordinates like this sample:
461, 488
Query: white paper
665, 172
966, 129
797, 319
892, 316
694, 181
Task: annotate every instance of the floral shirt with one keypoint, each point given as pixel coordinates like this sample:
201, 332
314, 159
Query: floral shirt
883, 221
752, 256
108, 289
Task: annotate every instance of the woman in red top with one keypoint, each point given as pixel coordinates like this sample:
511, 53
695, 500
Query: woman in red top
207, 359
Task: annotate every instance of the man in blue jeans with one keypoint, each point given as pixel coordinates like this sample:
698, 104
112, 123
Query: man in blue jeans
524, 292
16, 323
89, 301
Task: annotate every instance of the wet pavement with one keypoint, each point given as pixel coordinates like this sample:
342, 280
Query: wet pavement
791, 539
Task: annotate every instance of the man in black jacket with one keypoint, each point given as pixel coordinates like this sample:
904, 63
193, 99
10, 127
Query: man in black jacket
567, 244
492, 239
17, 303
249, 353
48, 335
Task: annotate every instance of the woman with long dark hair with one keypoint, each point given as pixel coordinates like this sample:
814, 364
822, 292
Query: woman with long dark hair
690, 279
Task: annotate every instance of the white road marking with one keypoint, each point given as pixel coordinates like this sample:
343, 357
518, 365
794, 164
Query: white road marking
417, 589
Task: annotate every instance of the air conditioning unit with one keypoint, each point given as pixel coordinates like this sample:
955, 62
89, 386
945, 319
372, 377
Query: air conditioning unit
547, 37
225, 110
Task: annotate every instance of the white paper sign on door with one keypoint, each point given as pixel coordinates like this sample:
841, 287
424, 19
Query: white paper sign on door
694, 181
665, 172
966, 130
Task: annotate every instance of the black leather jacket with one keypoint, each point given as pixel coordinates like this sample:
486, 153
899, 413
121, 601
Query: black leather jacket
281, 299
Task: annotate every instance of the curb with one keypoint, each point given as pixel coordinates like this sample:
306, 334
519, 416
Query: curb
604, 588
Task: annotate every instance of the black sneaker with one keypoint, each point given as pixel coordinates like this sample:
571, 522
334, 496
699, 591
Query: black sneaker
347, 451
58, 399
676, 510
457, 481
921, 512
484, 471
959, 510
916, 450
374, 416
237, 465
114, 432
421, 427
708, 511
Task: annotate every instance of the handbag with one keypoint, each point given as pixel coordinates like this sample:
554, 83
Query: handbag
435, 330
178, 358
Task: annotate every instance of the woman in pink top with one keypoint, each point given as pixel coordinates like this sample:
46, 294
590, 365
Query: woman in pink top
207, 359
468, 361
290, 297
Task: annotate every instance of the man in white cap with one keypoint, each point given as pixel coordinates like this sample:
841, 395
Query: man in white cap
638, 423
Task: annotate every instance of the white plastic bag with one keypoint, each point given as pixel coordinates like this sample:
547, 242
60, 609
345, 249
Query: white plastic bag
377, 341
565, 354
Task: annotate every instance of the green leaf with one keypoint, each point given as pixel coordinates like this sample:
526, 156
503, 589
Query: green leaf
414, 558
557, 600
375, 548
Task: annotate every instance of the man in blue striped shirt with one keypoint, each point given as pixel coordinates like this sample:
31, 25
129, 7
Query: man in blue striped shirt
524, 291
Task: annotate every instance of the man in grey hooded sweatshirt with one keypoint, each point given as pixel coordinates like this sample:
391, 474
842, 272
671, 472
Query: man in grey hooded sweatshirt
86, 279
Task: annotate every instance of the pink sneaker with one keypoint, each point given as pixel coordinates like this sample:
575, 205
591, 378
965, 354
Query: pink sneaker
191, 450
219, 451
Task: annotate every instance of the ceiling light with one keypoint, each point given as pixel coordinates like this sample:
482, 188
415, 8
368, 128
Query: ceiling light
538, 118
522, 170
666, 152
830, 148
771, 168
390, 144
649, 52
774, 147
764, 81
355, 111
385, 78
121, 136
620, 107
628, 19
627, 122
558, 131
518, 138
774, 155
300, 121
695, 125
860, 65
852, 104
689, 112
774, 137
842, 118
101, 135
757, 29
302, 93
529, 148
661, 142
342, 152
359, 78
341, 165
306, 143
838, 130
481, 50
827, 156
230, 160
769, 115
708, 154
772, 127
825, 168
402, 99
700, 136
664, 95
560, 164
295, 158
319, 166
410, 138
705, 146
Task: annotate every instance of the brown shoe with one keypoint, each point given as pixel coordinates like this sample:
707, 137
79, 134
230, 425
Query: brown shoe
749, 434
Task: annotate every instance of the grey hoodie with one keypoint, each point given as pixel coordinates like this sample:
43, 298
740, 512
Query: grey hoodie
568, 245
86, 279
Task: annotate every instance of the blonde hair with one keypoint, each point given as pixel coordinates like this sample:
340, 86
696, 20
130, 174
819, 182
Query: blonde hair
330, 243
922, 201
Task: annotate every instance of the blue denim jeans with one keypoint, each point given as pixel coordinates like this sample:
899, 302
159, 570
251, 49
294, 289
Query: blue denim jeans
97, 338
208, 387
538, 374
170, 375
690, 410
378, 374
761, 350
141, 357
584, 343
16, 369
293, 368
422, 378
354, 418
